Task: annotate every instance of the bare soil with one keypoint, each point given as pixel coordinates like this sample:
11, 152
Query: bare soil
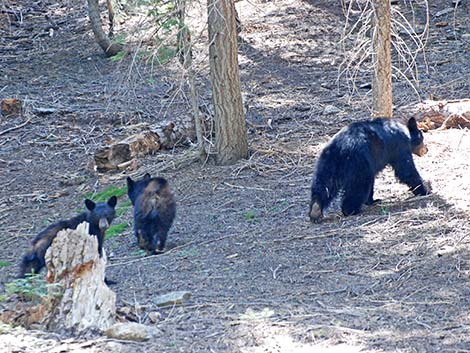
262, 277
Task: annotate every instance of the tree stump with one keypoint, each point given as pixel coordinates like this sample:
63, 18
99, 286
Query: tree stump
84, 301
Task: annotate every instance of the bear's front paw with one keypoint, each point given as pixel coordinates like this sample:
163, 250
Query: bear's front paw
427, 185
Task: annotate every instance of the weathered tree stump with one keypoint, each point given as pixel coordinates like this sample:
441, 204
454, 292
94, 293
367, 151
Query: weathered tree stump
84, 301
440, 114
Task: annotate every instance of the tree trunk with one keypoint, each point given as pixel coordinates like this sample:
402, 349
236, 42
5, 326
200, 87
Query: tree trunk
382, 81
230, 126
109, 5
186, 59
102, 39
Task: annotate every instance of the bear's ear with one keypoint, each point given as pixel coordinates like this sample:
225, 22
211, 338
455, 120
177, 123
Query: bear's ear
112, 201
412, 124
90, 205
147, 176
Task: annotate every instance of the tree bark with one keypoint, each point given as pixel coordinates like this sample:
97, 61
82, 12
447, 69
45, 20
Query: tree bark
382, 81
230, 126
85, 302
186, 59
101, 38
109, 5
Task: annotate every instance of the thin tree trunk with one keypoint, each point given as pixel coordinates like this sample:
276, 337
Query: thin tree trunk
109, 5
185, 57
382, 82
230, 126
102, 39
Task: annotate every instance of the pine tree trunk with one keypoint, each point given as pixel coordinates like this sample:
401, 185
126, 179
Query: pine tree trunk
230, 126
185, 57
382, 82
102, 39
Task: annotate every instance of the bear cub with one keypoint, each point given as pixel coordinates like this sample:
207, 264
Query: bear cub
154, 211
98, 215
356, 154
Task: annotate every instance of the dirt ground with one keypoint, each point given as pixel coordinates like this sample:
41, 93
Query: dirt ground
262, 277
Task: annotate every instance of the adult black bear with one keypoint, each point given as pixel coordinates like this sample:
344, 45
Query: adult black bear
154, 211
356, 154
98, 215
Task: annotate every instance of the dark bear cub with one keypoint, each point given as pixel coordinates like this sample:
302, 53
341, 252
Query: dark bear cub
98, 215
356, 154
154, 211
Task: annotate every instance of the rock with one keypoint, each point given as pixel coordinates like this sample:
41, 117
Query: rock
172, 298
130, 331
331, 109
154, 316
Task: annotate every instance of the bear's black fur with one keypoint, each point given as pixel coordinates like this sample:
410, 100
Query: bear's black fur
98, 215
154, 211
356, 154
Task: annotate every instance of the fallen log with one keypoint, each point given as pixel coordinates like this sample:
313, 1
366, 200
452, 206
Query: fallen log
444, 114
119, 154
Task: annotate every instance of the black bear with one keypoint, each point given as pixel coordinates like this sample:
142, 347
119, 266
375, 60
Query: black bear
356, 154
98, 215
154, 211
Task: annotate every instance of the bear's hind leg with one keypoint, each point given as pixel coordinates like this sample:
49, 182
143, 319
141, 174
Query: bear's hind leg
356, 193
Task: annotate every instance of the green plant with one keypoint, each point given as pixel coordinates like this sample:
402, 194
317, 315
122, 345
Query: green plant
163, 13
32, 288
138, 252
165, 54
4, 263
107, 193
250, 215
123, 207
115, 230
119, 56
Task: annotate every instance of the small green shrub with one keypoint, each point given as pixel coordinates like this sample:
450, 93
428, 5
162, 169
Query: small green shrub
5, 263
115, 230
138, 252
123, 207
32, 288
251, 215
104, 195
119, 56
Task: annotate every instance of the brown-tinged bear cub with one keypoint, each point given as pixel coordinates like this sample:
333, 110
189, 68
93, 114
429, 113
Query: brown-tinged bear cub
154, 211
98, 215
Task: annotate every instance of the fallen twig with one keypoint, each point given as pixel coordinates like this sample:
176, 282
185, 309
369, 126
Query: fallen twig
15, 127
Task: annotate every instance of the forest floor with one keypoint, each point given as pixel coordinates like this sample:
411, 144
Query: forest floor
262, 278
